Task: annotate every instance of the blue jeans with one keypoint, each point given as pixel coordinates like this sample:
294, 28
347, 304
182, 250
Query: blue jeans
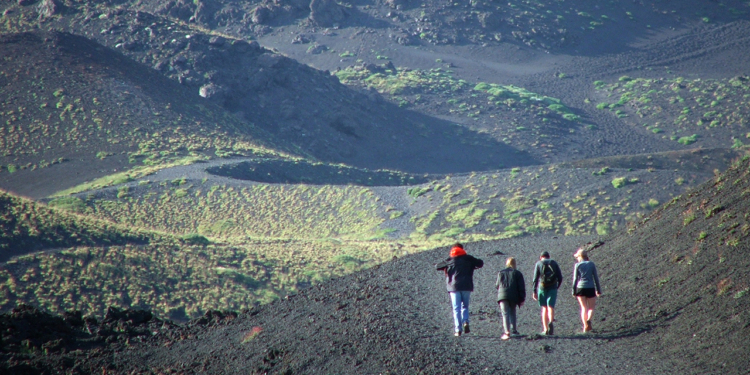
460, 302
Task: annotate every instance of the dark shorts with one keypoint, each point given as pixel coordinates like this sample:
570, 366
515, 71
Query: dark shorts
547, 297
585, 292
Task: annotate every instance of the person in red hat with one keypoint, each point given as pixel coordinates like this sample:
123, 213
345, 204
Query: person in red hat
459, 280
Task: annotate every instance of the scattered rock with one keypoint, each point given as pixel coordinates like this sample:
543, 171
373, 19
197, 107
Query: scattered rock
180, 9
26, 2
489, 20
204, 12
397, 4
301, 39
316, 49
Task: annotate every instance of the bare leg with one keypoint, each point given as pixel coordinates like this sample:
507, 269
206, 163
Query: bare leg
551, 313
545, 318
590, 305
584, 310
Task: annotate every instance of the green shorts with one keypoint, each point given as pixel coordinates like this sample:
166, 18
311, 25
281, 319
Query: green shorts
547, 297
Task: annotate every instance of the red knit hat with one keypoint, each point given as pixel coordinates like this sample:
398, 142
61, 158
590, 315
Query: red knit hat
457, 251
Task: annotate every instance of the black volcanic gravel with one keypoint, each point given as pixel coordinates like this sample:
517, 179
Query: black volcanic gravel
396, 318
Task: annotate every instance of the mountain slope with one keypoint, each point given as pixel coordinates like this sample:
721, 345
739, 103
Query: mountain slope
686, 275
675, 301
27, 226
309, 109
74, 110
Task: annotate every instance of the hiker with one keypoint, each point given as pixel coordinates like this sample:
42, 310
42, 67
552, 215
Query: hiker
547, 278
585, 286
459, 279
511, 293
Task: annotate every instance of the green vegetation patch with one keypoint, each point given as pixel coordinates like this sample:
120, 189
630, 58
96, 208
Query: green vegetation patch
27, 226
255, 211
179, 281
683, 110
460, 93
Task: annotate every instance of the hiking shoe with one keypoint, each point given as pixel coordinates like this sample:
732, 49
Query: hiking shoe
515, 333
505, 337
588, 326
466, 328
457, 334
551, 330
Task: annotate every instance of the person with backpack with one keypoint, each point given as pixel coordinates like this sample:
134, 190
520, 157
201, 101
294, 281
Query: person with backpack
511, 293
585, 286
547, 279
459, 280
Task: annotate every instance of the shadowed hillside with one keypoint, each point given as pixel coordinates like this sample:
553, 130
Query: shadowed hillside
315, 115
74, 109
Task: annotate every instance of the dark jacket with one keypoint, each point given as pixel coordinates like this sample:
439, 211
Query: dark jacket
510, 286
538, 273
459, 272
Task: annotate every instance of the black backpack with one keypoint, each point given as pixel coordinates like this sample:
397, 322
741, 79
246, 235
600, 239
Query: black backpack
548, 278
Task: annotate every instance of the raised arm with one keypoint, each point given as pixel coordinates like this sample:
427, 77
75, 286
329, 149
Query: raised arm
442, 265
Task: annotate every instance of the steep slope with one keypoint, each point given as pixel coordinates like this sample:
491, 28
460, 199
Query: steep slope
73, 109
309, 109
546, 25
682, 272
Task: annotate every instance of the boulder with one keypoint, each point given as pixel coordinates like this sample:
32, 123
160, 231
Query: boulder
260, 15
211, 90
317, 49
326, 13
301, 39
48, 8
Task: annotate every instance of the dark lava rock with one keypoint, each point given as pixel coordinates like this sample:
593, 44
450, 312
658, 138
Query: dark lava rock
301, 39
204, 12
181, 9
326, 13
260, 15
132, 316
